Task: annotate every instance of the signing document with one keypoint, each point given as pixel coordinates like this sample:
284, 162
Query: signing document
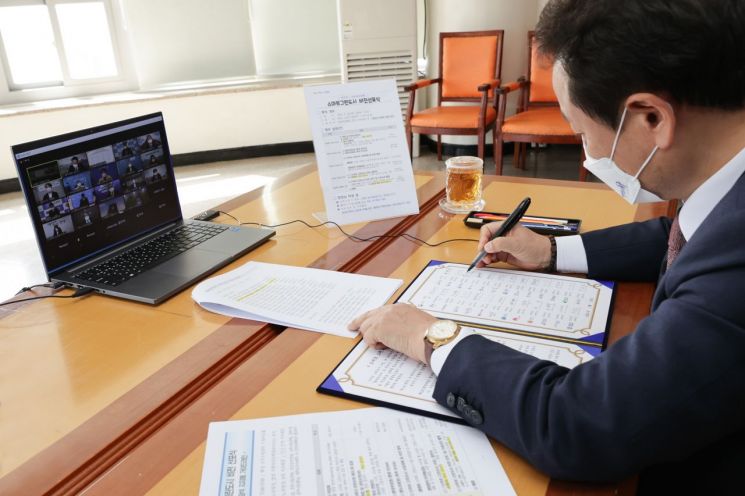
557, 318
311, 299
368, 451
363, 159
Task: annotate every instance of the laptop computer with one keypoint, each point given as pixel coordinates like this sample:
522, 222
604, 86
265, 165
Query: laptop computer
107, 216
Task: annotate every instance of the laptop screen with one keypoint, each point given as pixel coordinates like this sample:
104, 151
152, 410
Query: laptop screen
91, 190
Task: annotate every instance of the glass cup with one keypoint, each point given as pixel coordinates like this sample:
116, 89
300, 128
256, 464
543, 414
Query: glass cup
463, 185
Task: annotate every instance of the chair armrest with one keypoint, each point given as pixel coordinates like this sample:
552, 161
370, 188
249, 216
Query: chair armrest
513, 86
490, 85
421, 84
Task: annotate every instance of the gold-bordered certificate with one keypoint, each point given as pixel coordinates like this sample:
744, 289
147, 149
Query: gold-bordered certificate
557, 318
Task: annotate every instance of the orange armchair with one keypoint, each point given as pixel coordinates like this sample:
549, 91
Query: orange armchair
538, 118
470, 71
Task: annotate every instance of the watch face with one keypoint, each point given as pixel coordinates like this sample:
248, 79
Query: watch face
442, 329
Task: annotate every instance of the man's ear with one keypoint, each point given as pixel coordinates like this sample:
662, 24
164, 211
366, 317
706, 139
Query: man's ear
655, 115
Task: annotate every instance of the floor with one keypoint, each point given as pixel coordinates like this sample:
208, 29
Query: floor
203, 186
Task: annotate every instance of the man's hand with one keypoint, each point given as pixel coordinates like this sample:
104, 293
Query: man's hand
401, 327
521, 247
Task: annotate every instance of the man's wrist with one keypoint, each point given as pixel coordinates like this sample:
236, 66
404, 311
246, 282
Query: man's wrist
551, 267
440, 355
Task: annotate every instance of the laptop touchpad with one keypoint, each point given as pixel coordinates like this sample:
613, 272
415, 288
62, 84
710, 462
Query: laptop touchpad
191, 263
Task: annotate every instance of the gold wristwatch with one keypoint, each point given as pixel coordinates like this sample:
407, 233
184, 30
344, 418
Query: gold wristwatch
438, 334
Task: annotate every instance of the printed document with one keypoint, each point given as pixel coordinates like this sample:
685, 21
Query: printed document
532, 302
363, 159
311, 299
368, 451
556, 318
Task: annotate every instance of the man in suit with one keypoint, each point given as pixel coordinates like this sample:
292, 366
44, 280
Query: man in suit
657, 91
49, 193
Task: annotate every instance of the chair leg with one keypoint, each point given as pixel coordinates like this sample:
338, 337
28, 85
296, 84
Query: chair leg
523, 155
482, 143
516, 161
439, 147
410, 143
498, 154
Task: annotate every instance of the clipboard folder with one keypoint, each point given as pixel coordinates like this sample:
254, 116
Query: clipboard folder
371, 376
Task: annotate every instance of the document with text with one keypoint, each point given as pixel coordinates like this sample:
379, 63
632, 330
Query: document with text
365, 451
556, 318
304, 298
363, 159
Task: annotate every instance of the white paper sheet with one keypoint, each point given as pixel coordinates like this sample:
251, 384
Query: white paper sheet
546, 304
312, 299
368, 451
392, 377
556, 318
361, 150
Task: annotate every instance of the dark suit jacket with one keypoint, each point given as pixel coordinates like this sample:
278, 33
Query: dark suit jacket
667, 401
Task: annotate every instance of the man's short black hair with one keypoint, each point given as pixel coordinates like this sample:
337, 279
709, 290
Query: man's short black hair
691, 51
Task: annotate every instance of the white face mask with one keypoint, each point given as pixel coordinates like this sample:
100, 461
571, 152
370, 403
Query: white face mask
624, 184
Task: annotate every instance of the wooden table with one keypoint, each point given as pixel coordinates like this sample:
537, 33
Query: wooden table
114, 397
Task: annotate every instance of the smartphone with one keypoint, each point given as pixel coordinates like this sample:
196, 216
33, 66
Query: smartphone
538, 223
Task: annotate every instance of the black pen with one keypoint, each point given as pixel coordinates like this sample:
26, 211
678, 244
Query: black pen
508, 224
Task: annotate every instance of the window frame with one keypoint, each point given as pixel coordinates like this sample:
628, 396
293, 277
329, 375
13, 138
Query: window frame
69, 87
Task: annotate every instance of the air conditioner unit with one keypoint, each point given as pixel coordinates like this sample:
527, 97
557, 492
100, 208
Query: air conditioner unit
378, 41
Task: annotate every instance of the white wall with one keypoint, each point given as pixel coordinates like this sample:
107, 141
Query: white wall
247, 118
194, 123
184, 40
292, 36
516, 18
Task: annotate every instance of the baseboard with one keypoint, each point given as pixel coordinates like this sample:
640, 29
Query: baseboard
180, 159
242, 152
458, 150
9, 185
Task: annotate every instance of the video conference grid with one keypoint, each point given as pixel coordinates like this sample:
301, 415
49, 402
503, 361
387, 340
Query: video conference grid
76, 191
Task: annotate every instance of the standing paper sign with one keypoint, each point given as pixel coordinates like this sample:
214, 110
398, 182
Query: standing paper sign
363, 160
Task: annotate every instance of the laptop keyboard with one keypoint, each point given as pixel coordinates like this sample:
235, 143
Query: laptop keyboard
145, 256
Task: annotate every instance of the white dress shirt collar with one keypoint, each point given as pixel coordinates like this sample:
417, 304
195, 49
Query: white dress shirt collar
702, 201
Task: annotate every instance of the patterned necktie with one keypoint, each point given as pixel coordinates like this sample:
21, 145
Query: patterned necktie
675, 242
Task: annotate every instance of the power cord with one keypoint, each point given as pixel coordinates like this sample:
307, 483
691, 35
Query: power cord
52, 285
77, 294
358, 239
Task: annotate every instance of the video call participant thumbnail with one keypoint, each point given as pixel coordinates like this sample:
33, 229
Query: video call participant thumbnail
82, 200
134, 182
101, 156
73, 164
49, 191
59, 227
155, 174
125, 149
104, 174
111, 208
149, 142
136, 198
77, 182
128, 166
85, 217
152, 159
53, 210
108, 190
44, 173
